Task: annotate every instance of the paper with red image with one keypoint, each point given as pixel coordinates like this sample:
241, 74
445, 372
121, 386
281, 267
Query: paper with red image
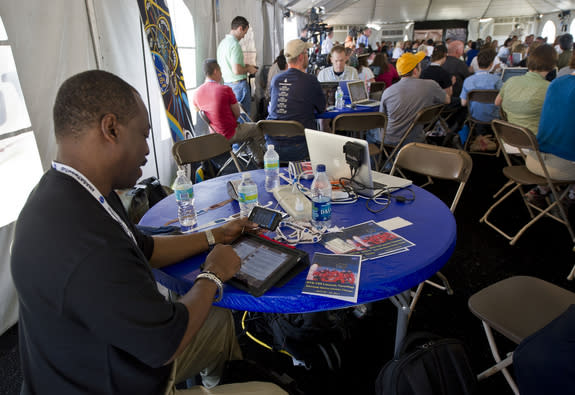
334, 276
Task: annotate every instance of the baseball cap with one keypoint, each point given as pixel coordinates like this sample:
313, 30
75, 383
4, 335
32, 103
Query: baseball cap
408, 61
294, 48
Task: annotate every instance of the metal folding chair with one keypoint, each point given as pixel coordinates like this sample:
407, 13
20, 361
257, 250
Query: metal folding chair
202, 148
426, 116
516, 308
435, 162
485, 96
519, 175
358, 124
242, 151
276, 128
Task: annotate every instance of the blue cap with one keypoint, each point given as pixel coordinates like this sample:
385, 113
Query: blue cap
320, 168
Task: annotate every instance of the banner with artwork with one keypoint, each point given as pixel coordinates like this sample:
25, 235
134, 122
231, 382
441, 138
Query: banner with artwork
158, 27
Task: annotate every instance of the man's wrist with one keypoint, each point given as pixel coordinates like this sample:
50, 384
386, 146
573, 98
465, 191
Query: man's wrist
207, 275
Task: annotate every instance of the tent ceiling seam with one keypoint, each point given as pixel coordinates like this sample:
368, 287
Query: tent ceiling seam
486, 9
532, 6
373, 10
93, 30
428, 9
15, 133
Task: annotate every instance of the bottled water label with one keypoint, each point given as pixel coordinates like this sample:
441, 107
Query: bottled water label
321, 211
248, 199
271, 165
184, 194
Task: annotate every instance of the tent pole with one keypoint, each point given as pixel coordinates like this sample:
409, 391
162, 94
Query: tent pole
152, 134
93, 30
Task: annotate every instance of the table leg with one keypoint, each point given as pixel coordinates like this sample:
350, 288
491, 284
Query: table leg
401, 301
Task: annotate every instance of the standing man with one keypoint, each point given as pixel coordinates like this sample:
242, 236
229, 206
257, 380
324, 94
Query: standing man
231, 61
295, 96
339, 71
92, 320
327, 44
220, 106
364, 38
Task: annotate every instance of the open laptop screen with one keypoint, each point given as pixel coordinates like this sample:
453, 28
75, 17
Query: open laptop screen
512, 72
357, 91
329, 89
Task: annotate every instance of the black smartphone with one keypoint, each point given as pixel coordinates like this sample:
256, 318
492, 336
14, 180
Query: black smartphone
265, 218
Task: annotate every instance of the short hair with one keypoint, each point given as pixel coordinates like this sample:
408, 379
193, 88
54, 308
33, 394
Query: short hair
240, 21
430, 41
439, 52
210, 65
542, 58
485, 57
337, 48
566, 42
85, 98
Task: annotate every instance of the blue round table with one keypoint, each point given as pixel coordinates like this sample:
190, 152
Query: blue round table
433, 231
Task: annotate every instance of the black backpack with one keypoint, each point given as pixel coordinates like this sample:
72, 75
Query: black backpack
428, 365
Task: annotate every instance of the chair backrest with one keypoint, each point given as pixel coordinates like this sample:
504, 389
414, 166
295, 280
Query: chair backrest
202, 148
437, 162
281, 128
360, 121
517, 137
425, 116
483, 95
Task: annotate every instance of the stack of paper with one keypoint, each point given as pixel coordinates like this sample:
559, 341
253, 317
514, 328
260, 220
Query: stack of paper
368, 239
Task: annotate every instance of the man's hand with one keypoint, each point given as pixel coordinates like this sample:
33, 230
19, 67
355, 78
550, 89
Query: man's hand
223, 262
251, 69
232, 230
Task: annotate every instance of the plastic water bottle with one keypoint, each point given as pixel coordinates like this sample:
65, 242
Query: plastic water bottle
184, 191
272, 168
339, 98
247, 195
321, 199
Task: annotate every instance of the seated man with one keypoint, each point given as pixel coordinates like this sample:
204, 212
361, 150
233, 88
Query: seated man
222, 109
295, 96
404, 99
484, 112
91, 317
455, 66
339, 71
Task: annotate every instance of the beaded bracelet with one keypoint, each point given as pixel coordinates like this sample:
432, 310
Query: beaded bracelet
214, 278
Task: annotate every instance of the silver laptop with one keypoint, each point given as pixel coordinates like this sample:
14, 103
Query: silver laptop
327, 148
358, 94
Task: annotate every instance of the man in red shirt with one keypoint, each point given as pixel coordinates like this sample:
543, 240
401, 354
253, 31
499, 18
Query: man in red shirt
222, 109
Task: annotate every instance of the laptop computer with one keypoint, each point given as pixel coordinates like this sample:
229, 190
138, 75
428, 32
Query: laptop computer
329, 89
509, 72
358, 94
327, 148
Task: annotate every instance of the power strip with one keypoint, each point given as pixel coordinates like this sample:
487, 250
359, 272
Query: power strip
295, 203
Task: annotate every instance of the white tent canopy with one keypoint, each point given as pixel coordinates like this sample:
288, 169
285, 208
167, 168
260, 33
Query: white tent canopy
53, 40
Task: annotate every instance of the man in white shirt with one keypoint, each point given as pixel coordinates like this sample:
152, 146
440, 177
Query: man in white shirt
327, 44
339, 71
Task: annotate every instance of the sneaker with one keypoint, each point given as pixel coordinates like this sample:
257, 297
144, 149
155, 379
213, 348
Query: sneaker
536, 198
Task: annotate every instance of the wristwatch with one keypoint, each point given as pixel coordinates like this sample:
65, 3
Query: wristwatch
210, 237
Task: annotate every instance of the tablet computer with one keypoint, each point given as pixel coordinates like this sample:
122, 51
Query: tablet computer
265, 264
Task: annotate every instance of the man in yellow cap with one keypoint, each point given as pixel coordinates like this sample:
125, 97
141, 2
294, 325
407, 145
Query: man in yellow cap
402, 100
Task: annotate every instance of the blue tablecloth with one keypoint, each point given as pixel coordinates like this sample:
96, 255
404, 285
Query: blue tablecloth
346, 110
433, 232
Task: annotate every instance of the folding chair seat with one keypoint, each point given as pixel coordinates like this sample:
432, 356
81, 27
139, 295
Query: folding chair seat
519, 175
441, 163
201, 148
285, 129
358, 124
242, 151
485, 96
424, 117
517, 307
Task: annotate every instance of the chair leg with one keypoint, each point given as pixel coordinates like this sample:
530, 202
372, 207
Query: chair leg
497, 358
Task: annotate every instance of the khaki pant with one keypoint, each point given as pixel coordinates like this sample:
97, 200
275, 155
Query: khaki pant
214, 344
